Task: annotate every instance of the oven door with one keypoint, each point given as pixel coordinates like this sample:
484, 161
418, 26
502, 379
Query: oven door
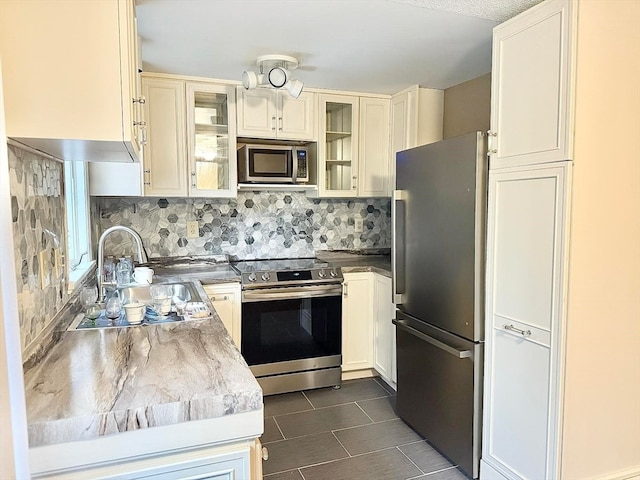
292, 328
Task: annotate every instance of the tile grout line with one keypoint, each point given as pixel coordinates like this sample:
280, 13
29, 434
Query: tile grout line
279, 429
369, 424
307, 399
379, 382
344, 403
338, 440
414, 463
300, 472
372, 420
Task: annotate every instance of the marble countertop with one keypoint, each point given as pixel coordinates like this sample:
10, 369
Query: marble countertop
93, 383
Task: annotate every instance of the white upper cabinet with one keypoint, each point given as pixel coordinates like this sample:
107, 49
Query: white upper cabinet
374, 159
165, 163
211, 140
70, 78
338, 145
268, 113
354, 159
532, 73
191, 146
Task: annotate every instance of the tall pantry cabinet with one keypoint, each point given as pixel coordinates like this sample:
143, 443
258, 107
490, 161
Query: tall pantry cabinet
539, 419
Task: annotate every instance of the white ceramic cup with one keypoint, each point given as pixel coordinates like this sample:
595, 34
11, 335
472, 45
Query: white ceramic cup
143, 275
134, 312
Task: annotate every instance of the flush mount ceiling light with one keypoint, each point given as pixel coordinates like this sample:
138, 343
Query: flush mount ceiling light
274, 72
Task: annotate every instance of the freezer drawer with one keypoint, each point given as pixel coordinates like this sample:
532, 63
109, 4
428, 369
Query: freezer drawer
440, 389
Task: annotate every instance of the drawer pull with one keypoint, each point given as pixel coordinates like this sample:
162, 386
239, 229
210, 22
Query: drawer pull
524, 333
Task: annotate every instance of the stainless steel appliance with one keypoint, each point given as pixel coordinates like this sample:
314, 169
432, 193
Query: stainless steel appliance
291, 329
273, 164
439, 210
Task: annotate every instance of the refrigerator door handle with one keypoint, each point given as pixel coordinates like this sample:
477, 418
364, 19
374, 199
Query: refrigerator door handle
397, 245
435, 342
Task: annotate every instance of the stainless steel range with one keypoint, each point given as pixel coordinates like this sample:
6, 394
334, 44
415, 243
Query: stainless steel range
291, 333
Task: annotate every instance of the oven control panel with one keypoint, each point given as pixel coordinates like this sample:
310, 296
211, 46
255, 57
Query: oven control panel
266, 278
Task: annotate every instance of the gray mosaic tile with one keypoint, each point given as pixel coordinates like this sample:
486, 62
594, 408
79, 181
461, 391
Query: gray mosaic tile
255, 225
38, 216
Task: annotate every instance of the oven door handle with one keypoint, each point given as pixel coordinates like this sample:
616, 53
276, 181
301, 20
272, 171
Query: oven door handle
266, 294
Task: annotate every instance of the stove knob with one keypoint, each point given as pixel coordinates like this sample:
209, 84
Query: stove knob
321, 274
265, 277
333, 273
252, 277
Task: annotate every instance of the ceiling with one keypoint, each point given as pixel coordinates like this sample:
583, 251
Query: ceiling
376, 46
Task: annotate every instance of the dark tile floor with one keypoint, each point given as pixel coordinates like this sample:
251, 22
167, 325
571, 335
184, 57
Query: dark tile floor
347, 434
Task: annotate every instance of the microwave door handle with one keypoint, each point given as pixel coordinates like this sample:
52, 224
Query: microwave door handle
294, 161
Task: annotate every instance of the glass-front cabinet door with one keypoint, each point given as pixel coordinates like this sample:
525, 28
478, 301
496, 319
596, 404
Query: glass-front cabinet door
338, 146
211, 140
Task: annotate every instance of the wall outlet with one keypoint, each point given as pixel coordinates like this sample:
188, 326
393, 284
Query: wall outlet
58, 262
359, 225
44, 259
193, 231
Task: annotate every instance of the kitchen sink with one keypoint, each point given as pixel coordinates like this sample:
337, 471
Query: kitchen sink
140, 294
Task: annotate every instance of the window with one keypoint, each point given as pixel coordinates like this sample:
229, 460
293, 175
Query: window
77, 203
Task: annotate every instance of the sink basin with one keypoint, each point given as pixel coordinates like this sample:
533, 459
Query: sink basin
140, 294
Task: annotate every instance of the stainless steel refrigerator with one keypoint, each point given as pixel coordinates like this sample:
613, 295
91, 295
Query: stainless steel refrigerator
439, 210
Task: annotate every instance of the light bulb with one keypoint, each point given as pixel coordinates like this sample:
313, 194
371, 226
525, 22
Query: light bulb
249, 80
278, 77
294, 87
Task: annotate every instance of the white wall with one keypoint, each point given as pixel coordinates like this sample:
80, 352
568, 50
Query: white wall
602, 408
13, 419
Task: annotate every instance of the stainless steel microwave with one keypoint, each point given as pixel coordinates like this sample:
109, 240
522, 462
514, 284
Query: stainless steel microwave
273, 164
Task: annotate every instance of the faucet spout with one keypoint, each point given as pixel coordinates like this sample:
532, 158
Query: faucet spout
142, 256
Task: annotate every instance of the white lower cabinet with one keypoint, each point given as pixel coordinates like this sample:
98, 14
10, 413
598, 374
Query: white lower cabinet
368, 336
236, 461
226, 299
384, 331
357, 321
526, 278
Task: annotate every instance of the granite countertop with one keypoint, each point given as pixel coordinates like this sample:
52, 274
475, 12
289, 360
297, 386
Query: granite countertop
357, 262
93, 383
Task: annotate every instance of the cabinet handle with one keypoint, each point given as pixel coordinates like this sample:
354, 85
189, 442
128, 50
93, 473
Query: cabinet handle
355, 183
524, 333
265, 454
491, 138
280, 123
143, 131
147, 174
141, 100
273, 123
193, 179
139, 124
345, 289
215, 299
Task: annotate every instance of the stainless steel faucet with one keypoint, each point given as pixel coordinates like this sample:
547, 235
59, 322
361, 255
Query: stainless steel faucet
142, 256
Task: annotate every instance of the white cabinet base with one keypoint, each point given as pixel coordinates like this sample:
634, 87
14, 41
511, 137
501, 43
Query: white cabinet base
487, 472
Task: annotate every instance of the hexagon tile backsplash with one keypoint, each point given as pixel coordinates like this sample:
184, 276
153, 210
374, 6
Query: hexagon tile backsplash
255, 225
38, 215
